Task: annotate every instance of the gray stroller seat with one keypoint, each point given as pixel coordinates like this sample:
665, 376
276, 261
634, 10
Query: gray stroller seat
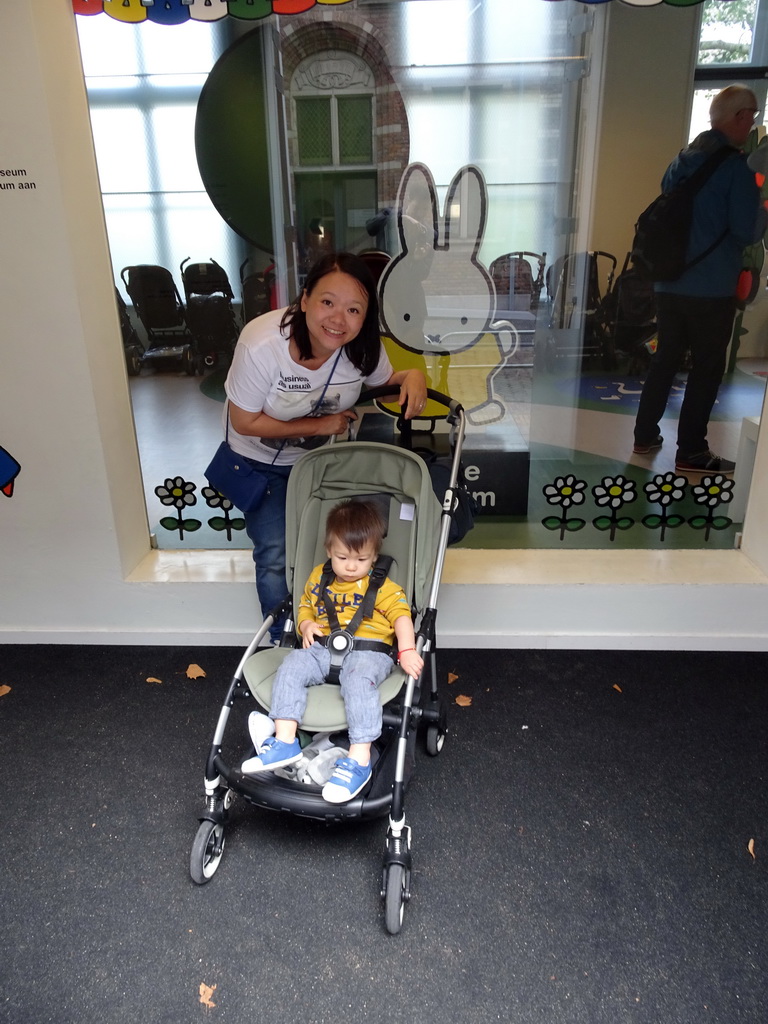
399, 482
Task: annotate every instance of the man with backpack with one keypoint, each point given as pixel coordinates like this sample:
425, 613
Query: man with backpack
695, 310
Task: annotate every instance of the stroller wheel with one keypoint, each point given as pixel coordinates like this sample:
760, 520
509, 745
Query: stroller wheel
437, 731
435, 740
133, 361
395, 895
190, 362
207, 850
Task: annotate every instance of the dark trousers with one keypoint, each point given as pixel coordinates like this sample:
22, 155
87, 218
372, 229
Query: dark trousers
704, 327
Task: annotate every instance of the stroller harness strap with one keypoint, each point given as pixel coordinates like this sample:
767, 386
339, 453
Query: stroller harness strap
343, 640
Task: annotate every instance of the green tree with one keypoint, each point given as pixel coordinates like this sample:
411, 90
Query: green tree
726, 31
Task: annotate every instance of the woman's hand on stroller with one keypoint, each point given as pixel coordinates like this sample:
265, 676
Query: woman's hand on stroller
413, 391
336, 423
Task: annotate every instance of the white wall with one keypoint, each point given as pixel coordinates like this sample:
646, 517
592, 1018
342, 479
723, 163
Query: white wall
647, 91
74, 545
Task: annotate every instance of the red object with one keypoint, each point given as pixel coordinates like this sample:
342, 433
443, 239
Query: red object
291, 6
746, 289
88, 6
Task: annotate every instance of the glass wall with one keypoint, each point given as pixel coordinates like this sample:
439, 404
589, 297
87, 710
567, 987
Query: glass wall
456, 127
143, 84
374, 89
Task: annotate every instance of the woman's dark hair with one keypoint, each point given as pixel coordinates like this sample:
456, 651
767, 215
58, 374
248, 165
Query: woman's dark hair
363, 350
356, 524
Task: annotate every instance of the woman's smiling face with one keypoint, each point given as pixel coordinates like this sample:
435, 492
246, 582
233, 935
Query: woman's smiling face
335, 312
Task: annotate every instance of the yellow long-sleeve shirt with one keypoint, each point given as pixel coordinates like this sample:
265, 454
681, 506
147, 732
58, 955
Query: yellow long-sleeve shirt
391, 603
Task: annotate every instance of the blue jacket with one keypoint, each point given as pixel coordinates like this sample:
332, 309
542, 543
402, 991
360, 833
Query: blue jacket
729, 199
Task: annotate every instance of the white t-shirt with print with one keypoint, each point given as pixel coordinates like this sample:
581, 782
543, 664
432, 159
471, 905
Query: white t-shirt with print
264, 378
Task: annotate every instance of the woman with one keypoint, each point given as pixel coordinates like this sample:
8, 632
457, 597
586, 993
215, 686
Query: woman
295, 376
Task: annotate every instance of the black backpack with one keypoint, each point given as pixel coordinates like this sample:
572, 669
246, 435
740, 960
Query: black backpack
663, 229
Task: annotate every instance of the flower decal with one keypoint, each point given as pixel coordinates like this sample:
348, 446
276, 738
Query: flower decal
180, 493
665, 488
565, 491
662, 490
711, 492
177, 492
215, 499
225, 522
614, 492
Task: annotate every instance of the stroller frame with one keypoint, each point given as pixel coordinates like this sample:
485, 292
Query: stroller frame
504, 271
573, 283
210, 314
405, 711
158, 305
257, 289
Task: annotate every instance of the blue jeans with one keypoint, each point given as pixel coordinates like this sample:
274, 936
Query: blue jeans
265, 527
362, 672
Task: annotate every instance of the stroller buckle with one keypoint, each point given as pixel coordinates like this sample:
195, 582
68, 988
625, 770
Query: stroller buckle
340, 641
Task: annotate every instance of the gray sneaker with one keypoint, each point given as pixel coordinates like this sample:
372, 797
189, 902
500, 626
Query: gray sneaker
704, 462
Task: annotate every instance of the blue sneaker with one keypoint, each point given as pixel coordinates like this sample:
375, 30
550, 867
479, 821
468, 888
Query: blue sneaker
347, 780
272, 754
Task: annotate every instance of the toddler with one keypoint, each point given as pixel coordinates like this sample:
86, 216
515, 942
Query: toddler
353, 537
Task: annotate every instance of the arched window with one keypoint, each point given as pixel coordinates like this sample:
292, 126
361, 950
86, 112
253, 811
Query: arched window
334, 155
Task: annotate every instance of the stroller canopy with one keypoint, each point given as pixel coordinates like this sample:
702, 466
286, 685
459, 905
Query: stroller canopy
358, 469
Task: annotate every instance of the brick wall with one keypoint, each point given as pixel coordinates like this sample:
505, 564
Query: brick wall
369, 36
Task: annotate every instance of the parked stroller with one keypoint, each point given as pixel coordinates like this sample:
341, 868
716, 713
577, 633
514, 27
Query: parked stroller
257, 288
577, 325
416, 540
132, 346
158, 305
517, 286
628, 313
210, 314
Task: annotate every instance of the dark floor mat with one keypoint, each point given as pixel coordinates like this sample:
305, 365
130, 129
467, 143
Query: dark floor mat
589, 848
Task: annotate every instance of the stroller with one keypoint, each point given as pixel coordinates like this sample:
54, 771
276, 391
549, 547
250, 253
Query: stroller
132, 346
577, 325
210, 314
417, 537
628, 312
159, 307
513, 278
258, 290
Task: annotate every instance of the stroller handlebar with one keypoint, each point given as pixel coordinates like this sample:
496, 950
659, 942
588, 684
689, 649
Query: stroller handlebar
389, 390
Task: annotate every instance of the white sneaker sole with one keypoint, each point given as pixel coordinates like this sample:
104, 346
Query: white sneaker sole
253, 765
704, 472
334, 794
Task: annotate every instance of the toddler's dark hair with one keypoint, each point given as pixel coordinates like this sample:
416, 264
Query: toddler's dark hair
356, 524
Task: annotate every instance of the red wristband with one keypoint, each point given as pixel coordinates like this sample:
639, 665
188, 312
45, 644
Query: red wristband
399, 653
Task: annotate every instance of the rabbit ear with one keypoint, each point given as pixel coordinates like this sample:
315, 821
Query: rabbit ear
466, 208
416, 207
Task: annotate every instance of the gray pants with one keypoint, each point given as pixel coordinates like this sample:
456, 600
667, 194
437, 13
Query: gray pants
361, 675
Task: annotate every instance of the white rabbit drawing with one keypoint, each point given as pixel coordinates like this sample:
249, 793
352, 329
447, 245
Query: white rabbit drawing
436, 296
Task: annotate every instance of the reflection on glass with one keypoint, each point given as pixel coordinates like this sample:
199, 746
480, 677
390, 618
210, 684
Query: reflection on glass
482, 281
726, 32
